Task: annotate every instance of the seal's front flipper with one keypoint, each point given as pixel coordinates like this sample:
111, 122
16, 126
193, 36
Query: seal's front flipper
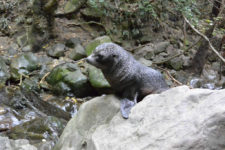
125, 107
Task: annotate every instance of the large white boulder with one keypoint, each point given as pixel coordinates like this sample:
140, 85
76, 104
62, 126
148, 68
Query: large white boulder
179, 118
20, 144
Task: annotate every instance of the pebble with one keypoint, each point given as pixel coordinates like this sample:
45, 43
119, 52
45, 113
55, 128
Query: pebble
2, 110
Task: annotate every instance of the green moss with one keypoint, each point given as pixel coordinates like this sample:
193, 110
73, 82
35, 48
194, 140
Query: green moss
24, 64
68, 78
97, 78
93, 44
73, 5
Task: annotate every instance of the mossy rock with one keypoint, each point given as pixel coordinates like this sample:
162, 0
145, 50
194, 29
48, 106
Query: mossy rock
24, 64
68, 79
4, 72
176, 63
73, 5
97, 78
77, 53
39, 128
30, 84
92, 12
93, 44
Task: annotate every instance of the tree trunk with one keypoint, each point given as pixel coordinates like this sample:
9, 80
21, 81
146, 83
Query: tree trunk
200, 57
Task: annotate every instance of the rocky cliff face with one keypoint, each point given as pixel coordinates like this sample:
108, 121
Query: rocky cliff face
180, 118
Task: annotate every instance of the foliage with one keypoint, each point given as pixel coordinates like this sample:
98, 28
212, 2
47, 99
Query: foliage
130, 16
7, 5
4, 23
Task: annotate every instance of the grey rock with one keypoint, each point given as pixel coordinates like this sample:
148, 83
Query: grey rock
209, 86
209, 74
176, 63
24, 64
216, 66
77, 53
89, 117
73, 5
27, 48
4, 72
186, 60
161, 47
97, 78
22, 40
57, 50
196, 83
177, 119
68, 79
146, 52
13, 49
90, 47
71, 43
145, 62
20, 144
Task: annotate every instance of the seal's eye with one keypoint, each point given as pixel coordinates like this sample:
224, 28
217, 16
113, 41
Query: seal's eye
99, 56
114, 55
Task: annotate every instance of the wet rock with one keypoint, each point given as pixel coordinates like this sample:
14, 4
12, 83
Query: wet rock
209, 74
31, 84
68, 79
192, 120
71, 43
13, 97
196, 83
73, 5
97, 78
57, 50
93, 44
7, 119
23, 65
4, 72
176, 63
210, 86
66, 104
161, 47
48, 128
45, 145
77, 53
20, 144
108, 106
33, 100
15, 109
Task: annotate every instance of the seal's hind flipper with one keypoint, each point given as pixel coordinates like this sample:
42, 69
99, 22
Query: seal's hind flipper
125, 107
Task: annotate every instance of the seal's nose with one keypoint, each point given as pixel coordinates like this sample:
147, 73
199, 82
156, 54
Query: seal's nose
87, 59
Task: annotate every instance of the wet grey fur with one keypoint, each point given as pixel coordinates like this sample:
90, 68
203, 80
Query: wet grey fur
129, 78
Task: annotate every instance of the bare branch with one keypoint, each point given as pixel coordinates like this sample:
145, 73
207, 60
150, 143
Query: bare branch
172, 78
206, 38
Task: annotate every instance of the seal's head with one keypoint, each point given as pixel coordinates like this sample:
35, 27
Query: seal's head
104, 56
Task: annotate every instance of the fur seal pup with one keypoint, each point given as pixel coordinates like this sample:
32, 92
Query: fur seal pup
130, 79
